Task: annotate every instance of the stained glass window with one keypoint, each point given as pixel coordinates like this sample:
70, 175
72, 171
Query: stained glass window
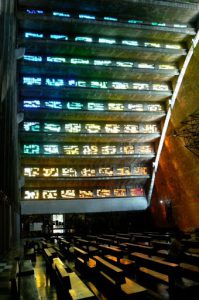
31, 103
85, 194
99, 84
51, 149
71, 150
53, 104
120, 85
130, 43
130, 128
89, 17
59, 37
32, 80
146, 66
54, 82
154, 45
69, 172
116, 106
51, 127
106, 150
73, 127
50, 172
31, 194
98, 62
95, 106
74, 105
79, 61
31, 149
107, 41
88, 172
31, 172
67, 194
34, 11
128, 149
49, 194
103, 193
119, 192
90, 150
135, 107
34, 35
112, 128
110, 19
92, 128
61, 14
123, 171
56, 59
124, 64
106, 171
32, 58
83, 39
31, 126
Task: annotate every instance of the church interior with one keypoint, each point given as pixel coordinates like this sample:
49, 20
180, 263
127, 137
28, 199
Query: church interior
99, 149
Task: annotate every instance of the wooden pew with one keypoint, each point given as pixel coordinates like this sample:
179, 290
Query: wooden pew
157, 270
189, 271
129, 247
158, 245
121, 239
190, 243
114, 251
114, 277
104, 241
49, 254
87, 245
14, 279
63, 279
161, 237
83, 263
115, 256
70, 285
141, 239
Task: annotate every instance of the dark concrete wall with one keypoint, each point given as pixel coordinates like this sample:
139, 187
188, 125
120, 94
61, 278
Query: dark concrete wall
178, 172
9, 208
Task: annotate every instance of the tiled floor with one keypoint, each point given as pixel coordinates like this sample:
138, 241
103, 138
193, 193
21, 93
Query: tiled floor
5, 268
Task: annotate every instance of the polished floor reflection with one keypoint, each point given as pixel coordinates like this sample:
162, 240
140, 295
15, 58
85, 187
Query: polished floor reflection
46, 287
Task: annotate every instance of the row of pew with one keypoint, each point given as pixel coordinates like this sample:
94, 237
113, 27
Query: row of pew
122, 266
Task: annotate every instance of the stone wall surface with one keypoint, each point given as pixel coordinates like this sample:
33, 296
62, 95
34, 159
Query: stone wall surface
177, 178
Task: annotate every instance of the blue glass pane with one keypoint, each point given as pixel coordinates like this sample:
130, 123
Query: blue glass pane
74, 105
31, 126
135, 22
32, 80
79, 61
83, 39
31, 103
95, 106
60, 14
34, 35
34, 11
107, 41
54, 82
53, 104
59, 37
32, 58
130, 43
31, 149
51, 149
50, 127
87, 17
56, 59
110, 19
